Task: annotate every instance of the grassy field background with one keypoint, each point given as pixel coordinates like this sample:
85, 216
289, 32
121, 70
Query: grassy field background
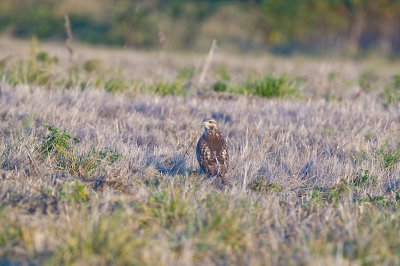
93, 169
351, 27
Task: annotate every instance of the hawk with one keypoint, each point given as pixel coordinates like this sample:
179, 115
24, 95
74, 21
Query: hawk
212, 150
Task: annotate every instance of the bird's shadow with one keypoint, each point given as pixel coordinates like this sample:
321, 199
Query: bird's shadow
165, 164
176, 165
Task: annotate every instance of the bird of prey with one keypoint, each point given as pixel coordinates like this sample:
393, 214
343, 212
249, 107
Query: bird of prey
212, 150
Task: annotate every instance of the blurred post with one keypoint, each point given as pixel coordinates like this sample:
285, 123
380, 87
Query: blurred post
69, 41
208, 61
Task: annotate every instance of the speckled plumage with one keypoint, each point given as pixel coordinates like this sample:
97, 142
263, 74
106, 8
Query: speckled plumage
212, 151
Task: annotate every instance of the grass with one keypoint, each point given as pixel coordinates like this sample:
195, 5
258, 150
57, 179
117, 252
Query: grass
59, 145
36, 70
391, 92
95, 177
180, 222
40, 69
260, 185
57, 142
270, 87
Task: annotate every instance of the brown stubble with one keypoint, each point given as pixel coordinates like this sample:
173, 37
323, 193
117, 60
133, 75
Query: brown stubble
294, 146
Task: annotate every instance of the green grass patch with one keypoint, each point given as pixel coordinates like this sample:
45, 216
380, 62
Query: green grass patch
41, 69
389, 156
74, 192
178, 221
167, 88
10, 231
271, 86
220, 86
62, 149
38, 69
57, 142
331, 195
261, 185
364, 178
368, 80
215, 226
116, 84
391, 92
223, 79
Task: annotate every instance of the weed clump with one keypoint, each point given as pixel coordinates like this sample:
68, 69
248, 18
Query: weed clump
332, 194
364, 178
389, 157
37, 70
116, 84
340, 190
368, 80
168, 88
271, 86
61, 147
40, 68
74, 192
92, 65
220, 86
178, 87
10, 231
223, 79
3, 64
58, 142
391, 93
261, 185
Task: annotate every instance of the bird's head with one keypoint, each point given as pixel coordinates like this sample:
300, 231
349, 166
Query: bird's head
210, 124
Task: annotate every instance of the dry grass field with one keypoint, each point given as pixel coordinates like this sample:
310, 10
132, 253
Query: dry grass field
314, 177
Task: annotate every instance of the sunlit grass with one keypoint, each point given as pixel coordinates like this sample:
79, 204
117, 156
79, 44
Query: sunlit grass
96, 166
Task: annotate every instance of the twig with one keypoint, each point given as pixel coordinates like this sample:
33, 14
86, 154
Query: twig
33, 162
208, 61
69, 40
187, 150
162, 38
369, 196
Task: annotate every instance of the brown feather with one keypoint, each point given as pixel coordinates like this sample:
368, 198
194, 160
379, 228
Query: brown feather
212, 153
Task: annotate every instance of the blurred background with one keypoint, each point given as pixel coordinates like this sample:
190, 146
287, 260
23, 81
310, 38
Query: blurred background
350, 27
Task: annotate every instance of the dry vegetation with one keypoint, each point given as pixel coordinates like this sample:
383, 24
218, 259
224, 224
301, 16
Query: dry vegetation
314, 175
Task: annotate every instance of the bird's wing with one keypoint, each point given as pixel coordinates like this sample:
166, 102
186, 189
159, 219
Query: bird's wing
223, 157
206, 158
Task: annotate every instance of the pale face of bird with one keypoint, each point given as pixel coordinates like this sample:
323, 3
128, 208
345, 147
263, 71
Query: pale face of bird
210, 124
